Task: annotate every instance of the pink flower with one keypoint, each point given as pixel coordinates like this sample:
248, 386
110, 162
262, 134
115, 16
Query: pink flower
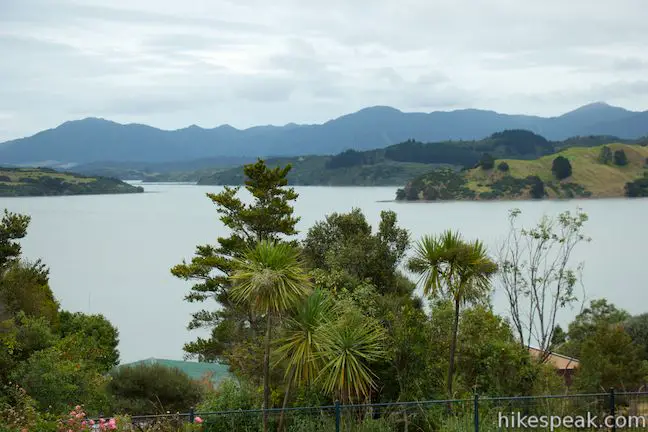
198, 420
112, 424
92, 422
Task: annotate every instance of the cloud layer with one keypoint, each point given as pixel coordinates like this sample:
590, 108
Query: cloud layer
209, 62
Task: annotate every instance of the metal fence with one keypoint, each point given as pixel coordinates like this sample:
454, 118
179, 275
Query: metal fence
610, 411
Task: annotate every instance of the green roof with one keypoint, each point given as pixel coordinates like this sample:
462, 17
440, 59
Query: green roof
196, 370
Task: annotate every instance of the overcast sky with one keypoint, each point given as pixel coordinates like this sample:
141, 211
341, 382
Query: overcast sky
172, 63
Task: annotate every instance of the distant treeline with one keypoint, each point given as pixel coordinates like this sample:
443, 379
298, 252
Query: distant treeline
512, 144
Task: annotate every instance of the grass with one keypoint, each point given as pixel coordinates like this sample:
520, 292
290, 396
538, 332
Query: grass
48, 182
15, 174
601, 180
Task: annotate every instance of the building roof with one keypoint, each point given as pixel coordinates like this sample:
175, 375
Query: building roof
215, 372
559, 361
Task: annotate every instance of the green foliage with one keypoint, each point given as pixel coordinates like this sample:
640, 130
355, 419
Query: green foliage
230, 395
585, 325
561, 168
605, 157
503, 166
345, 249
490, 359
520, 142
300, 344
441, 184
416, 361
25, 287
457, 270
148, 389
99, 337
486, 162
12, 227
269, 216
350, 345
620, 158
537, 190
55, 379
637, 188
346, 159
47, 182
437, 153
637, 329
270, 278
609, 358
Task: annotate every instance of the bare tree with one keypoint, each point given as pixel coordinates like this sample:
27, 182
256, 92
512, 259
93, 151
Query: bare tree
537, 274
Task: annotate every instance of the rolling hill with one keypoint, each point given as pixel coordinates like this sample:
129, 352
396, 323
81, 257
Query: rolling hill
48, 182
592, 176
98, 140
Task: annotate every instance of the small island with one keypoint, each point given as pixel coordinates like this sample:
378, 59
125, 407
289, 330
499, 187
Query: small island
15, 182
605, 171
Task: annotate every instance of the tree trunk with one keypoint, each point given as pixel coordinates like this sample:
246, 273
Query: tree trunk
453, 348
285, 401
266, 375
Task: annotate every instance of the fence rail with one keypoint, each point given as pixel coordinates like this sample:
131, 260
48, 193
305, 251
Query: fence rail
610, 411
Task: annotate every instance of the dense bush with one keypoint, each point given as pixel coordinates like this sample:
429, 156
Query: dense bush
637, 188
346, 159
620, 158
146, 389
561, 168
537, 187
605, 156
486, 162
503, 166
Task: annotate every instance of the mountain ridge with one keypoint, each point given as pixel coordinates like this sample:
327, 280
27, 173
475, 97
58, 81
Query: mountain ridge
95, 139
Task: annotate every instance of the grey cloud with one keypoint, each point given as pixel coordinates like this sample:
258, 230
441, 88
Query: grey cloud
266, 89
222, 61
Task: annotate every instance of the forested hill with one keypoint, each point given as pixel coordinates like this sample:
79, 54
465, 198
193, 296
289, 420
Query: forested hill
48, 182
397, 164
611, 170
99, 140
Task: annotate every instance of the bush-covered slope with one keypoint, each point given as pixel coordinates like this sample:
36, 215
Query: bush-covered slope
595, 172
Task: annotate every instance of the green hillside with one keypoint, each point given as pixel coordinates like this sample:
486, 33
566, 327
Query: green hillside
48, 182
595, 173
317, 170
397, 164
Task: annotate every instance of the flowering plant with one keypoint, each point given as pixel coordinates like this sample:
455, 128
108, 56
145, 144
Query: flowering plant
77, 421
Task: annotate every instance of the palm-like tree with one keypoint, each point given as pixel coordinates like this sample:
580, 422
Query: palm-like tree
349, 346
458, 270
271, 279
301, 345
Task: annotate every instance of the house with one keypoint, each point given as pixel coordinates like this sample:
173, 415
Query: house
213, 372
564, 365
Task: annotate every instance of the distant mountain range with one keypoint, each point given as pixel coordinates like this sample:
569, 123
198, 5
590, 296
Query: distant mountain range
98, 140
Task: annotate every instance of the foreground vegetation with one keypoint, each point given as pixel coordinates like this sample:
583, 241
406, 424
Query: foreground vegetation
48, 182
611, 170
329, 317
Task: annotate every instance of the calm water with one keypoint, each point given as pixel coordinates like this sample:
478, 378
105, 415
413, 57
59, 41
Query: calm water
112, 254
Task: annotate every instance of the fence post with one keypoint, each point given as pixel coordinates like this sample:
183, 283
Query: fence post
476, 411
337, 416
192, 415
613, 408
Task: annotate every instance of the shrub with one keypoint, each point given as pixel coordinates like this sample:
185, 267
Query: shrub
620, 158
537, 187
149, 389
605, 156
487, 162
232, 396
503, 166
561, 168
